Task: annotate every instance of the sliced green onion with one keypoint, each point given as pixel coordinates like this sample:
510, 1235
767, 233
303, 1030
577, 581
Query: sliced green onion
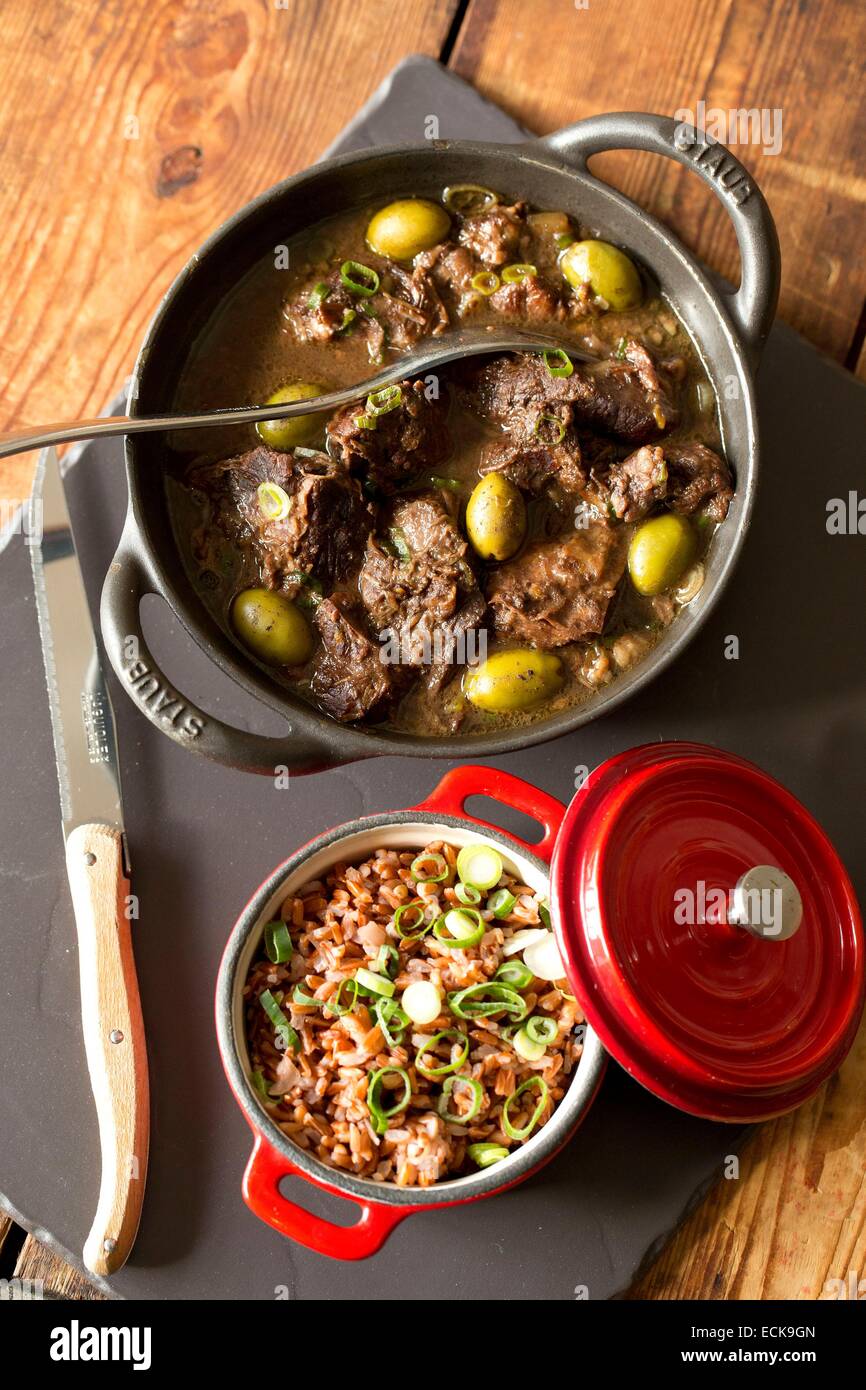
261, 1085
486, 282
527, 1129
527, 1047
336, 1004
486, 1154
392, 1020
485, 999
554, 435
515, 973
562, 239
388, 960
300, 996
544, 914
400, 544
348, 319
564, 365
462, 927
479, 866
451, 1117
365, 422
422, 1001
278, 943
380, 402
422, 874
468, 198
282, 1027
274, 503
379, 1115
371, 983
621, 349
451, 484
360, 279
501, 902
413, 931
513, 274
319, 294
541, 1029
467, 895
429, 1071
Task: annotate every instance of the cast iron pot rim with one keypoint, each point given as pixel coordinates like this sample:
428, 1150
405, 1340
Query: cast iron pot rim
356, 742
569, 1113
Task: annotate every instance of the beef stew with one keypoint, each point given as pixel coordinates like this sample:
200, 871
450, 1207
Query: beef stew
479, 549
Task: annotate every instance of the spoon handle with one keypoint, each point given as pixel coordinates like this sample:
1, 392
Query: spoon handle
21, 441
39, 436
427, 359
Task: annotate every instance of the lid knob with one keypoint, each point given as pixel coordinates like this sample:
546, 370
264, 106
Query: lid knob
767, 903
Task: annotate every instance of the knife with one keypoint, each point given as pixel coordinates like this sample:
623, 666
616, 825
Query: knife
97, 864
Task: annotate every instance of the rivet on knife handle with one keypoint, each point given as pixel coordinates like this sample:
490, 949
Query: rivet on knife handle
113, 1039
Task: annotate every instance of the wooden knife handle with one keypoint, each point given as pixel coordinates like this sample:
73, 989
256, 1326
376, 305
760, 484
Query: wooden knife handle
113, 1039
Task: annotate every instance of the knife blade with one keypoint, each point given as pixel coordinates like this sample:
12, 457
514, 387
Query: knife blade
97, 865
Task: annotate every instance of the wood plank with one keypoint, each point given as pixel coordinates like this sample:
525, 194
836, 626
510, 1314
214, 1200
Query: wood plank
551, 62
37, 1263
117, 162
794, 1221
6, 1226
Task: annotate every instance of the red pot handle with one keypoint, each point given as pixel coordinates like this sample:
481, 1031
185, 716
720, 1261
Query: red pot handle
261, 1192
458, 785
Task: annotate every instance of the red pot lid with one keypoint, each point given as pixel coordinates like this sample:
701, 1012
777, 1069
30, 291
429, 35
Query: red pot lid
709, 930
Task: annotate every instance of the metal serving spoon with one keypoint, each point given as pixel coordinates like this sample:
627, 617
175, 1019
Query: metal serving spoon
463, 343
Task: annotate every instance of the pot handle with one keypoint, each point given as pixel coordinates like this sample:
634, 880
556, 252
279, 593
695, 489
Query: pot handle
126, 583
450, 796
753, 305
261, 1192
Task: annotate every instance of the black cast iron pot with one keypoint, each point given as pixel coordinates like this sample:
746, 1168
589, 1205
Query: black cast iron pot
729, 330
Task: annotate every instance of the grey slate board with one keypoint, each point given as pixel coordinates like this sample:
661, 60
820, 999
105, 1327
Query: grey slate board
202, 838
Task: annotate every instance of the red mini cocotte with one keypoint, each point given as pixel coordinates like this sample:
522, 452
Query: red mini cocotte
706, 925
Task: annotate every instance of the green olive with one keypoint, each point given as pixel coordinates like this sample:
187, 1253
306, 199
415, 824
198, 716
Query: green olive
511, 681
285, 434
272, 627
496, 518
402, 229
661, 550
607, 270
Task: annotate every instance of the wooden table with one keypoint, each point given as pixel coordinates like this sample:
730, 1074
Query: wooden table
129, 131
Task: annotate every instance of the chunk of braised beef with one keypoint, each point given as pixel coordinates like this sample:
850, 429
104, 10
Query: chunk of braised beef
323, 309
349, 678
324, 531
498, 235
411, 437
535, 465
698, 480
533, 299
559, 591
628, 396
407, 306
452, 270
638, 483
419, 589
